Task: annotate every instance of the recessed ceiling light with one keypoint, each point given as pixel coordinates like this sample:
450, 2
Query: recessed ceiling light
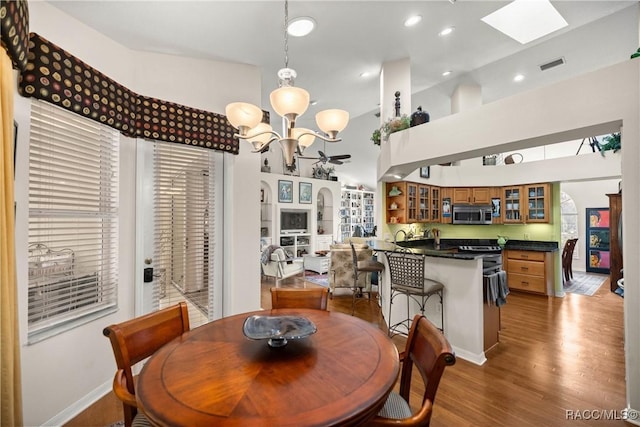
313, 102
446, 31
446, 73
518, 78
302, 26
365, 74
525, 20
397, 176
412, 20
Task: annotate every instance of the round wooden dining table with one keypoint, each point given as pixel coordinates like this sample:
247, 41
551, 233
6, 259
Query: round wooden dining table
215, 376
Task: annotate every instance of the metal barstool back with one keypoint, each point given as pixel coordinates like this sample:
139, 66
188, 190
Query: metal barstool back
407, 277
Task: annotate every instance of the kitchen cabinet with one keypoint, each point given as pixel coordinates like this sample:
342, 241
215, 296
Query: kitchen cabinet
538, 206
412, 202
615, 243
472, 195
424, 193
434, 199
512, 209
396, 202
530, 271
526, 204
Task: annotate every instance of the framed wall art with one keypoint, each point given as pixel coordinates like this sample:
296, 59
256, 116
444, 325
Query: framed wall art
285, 191
425, 171
305, 192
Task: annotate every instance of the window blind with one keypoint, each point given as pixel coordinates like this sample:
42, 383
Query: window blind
73, 220
184, 190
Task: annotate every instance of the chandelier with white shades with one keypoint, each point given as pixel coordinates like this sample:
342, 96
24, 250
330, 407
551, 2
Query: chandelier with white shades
289, 102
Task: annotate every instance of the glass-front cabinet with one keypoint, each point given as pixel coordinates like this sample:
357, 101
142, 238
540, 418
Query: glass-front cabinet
538, 202
423, 203
512, 212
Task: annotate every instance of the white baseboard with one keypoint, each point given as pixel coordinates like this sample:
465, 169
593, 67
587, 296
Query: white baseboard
77, 407
477, 358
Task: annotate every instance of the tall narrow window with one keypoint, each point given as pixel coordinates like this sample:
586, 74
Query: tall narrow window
184, 190
73, 220
569, 221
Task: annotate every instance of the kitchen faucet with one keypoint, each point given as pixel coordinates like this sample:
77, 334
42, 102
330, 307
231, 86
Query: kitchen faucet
395, 236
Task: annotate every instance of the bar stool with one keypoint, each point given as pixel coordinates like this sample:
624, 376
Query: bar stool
365, 267
407, 273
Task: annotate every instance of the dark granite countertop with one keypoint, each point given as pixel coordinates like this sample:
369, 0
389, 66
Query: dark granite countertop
532, 245
424, 249
448, 247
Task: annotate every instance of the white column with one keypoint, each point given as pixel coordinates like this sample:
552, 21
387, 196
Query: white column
466, 97
395, 76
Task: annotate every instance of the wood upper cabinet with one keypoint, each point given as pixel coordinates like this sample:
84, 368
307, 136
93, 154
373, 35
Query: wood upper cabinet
424, 193
512, 205
524, 204
472, 195
412, 202
435, 200
538, 207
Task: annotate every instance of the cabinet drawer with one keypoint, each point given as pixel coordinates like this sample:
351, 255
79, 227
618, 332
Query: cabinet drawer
528, 268
526, 283
526, 255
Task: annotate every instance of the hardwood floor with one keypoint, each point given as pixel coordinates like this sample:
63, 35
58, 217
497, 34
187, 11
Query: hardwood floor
555, 355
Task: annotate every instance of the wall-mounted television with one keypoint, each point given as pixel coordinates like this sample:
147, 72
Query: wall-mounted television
294, 221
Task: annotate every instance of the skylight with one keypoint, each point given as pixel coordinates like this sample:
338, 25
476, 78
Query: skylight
526, 20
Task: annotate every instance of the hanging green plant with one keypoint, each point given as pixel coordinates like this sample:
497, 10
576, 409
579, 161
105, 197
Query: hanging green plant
375, 137
612, 142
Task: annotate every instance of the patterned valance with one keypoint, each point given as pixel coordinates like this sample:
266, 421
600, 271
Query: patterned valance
54, 75
166, 121
14, 16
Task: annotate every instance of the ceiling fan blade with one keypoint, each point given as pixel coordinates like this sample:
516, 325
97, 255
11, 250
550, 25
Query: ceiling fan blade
336, 162
340, 157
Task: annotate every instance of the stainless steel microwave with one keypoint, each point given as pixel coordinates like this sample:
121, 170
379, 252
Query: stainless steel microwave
472, 214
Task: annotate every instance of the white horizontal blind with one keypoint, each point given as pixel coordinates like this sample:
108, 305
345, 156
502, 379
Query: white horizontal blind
73, 220
184, 191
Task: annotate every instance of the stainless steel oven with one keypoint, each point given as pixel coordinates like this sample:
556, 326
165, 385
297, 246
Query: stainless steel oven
491, 257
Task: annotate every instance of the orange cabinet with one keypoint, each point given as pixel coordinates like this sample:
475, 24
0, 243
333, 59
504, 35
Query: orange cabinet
530, 271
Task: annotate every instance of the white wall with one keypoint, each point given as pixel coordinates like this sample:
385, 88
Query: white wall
82, 360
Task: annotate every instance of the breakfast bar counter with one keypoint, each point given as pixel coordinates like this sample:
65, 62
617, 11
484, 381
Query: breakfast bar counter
462, 276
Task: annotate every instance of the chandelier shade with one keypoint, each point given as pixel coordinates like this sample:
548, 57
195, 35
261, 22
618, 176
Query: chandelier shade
263, 135
332, 121
304, 136
243, 115
289, 102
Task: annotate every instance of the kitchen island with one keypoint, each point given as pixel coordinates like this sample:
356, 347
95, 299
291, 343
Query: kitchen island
462, 276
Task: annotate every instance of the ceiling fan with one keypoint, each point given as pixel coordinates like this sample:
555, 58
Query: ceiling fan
324, 159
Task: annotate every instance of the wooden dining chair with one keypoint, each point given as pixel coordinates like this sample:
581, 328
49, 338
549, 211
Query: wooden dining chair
133, 341
299, 298
430, 352
567, 259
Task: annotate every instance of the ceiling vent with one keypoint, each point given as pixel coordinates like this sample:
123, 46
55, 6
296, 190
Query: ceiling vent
552, 64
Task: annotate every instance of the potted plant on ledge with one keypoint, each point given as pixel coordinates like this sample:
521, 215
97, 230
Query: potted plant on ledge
390, 126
